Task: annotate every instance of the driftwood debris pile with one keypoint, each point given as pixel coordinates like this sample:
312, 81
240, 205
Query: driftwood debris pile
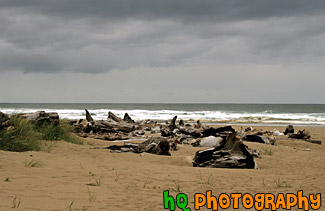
230, 153
114, 128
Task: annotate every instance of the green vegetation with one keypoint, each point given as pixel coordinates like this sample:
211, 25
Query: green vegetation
92, 196
177, 185
70, 208
267, 151
116, 177
33, 163
97, 182
16, 202
19, 136
283, 183
61, 131
208, 181
22, 136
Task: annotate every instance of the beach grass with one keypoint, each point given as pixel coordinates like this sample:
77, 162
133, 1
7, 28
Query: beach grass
20, 136
23, 136
62, 131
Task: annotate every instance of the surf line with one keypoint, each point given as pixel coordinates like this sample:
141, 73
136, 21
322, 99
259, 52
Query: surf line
259, 201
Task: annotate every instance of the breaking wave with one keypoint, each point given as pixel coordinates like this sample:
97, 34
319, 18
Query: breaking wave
265, 117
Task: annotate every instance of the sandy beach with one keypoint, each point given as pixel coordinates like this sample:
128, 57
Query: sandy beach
96, 179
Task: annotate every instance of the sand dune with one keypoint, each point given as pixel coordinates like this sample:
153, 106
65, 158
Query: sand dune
137, 181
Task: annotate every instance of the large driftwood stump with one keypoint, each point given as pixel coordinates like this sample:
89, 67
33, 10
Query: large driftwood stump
231, 153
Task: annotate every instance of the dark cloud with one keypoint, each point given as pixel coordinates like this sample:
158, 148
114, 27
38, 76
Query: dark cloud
208, 10
186, 51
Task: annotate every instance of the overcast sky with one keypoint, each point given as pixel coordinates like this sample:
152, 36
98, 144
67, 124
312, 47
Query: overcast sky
209, 51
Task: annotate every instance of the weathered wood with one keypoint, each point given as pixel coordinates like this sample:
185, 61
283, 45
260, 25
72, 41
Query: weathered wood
302, 134
314, 141
190, 131
231, 153
114, 117
172, 124
115, 126
211, 131
166, 132
289, 130
88, 116
3, 117
181, 122
154, 145
128, 119
198, 124
41, 117
258, 139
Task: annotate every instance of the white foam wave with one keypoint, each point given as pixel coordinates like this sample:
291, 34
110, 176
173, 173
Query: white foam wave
210, 116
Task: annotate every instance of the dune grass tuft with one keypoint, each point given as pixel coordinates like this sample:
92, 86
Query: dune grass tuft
62, 131
20, 136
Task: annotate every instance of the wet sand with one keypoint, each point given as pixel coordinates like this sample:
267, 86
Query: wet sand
137, 181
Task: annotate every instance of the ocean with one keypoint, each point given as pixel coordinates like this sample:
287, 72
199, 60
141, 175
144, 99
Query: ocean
250, 114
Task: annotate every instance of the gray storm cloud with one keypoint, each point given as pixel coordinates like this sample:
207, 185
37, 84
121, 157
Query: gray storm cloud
99, 36
273, 45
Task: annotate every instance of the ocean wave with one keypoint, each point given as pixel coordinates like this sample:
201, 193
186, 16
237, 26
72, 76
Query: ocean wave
267, 116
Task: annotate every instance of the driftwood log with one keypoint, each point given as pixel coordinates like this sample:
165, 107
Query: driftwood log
128, 119
304, 135
41, 117
188, 130
3, 117
113, 117
154, 145
259, 139
211, 131
88, 116
231, 153
289, 130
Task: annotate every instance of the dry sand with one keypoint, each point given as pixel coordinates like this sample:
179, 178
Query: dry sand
137, 181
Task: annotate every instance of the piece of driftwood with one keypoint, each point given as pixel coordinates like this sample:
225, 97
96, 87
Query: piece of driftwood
41, 117
172, 124
3, 117
111, 137
181, 122
113, 117
166, 132
231, 153
196, 133
314, 141
302, 134
114, 126
211, 131
154, 145
88, 116
198, 124
210, 141
258, 139
128, 119
289, 130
